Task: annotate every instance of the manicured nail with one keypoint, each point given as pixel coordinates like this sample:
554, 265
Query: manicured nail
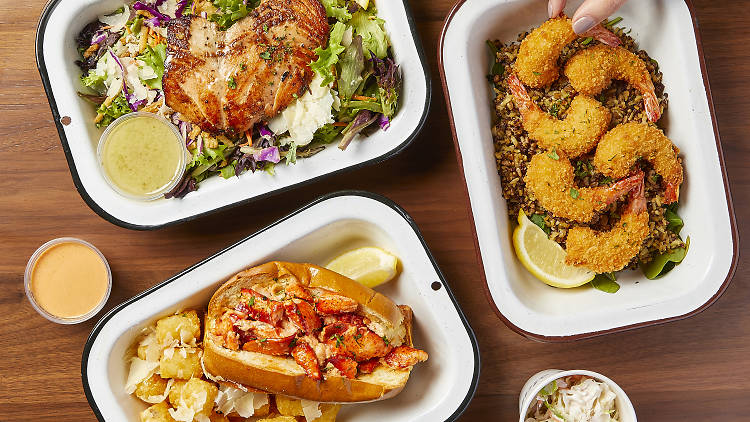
550, 10
583, 24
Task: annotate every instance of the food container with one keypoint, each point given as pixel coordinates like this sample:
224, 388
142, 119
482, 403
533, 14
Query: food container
438, 390
176, 177
27, 281
542, 378
527, 305
56, 52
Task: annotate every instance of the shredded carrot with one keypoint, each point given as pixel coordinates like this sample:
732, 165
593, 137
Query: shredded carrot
341, 124
363, 98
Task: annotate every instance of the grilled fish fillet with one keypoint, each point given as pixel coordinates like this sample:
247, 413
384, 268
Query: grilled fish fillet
230, 80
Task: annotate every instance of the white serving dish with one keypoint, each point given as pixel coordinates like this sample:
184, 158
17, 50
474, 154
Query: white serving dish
438, 390
56, 53
662, 27
542, 378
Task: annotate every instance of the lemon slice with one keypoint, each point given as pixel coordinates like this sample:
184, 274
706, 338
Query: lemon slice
545, 258
368, 265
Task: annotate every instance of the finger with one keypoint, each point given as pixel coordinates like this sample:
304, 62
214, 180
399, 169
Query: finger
592, 12
555, 7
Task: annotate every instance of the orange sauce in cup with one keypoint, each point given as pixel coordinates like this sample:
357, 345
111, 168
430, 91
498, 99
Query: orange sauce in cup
69, 280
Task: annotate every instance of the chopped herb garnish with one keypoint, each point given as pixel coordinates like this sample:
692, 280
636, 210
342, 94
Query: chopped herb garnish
265, 55
386, 341
243, 66
538, 219
231, 83
614, 21
574, 193
587, 40
251, 302
553, 155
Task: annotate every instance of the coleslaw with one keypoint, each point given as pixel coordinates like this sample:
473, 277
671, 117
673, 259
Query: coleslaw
576, 398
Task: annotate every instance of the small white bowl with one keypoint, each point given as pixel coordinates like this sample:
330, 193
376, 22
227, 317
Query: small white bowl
438, 390
30, 268
542, 378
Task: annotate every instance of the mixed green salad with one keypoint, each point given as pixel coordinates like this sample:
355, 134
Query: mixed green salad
357, 84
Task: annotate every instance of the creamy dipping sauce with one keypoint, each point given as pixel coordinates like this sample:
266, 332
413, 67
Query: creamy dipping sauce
142, 156
69, 280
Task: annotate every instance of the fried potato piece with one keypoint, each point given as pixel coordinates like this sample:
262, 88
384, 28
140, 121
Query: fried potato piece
157, 413
152, 386
184, 327
181, 363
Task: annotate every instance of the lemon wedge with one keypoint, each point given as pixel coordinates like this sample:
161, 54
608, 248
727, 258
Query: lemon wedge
368, 265
545, 258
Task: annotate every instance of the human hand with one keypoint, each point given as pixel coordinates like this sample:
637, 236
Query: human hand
589, 14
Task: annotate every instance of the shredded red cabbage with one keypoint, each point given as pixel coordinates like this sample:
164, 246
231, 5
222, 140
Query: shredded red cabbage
270, 154
384, 122
158, 18
181, 5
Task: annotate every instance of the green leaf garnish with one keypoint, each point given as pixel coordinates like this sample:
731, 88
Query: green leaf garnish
605, 282
665, 262
675, 223
330, 55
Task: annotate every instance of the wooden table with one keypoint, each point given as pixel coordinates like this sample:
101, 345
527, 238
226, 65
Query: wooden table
696, 369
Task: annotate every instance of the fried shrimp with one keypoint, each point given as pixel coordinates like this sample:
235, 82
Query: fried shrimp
620, 149
536, 63
592, 70
604, 252
587, 120
550, 179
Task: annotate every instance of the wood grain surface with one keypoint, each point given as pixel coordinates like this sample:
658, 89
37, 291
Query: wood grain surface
696, 369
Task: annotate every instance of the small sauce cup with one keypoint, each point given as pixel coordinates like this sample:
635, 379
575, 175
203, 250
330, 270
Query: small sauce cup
142, 156
67, 280
541, 379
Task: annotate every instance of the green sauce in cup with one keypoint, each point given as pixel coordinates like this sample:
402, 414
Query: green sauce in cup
142, 155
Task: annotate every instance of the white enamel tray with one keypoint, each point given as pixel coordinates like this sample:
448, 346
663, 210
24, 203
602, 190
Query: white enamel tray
56, 53
438, 390
666, 29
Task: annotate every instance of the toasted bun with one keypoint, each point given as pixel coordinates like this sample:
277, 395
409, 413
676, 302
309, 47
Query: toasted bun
282, 375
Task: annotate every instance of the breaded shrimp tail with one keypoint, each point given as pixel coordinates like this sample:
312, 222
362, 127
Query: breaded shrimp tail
592, 70
621, 148
551, 182
586, 121
604, 252
536, 63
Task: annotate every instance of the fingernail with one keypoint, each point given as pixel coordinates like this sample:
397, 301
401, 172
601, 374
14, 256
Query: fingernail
583, 24
550, 10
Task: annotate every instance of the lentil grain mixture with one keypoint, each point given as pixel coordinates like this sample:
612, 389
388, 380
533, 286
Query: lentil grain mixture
514, 149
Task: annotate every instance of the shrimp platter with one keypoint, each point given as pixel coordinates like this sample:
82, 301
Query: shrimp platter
580, 148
